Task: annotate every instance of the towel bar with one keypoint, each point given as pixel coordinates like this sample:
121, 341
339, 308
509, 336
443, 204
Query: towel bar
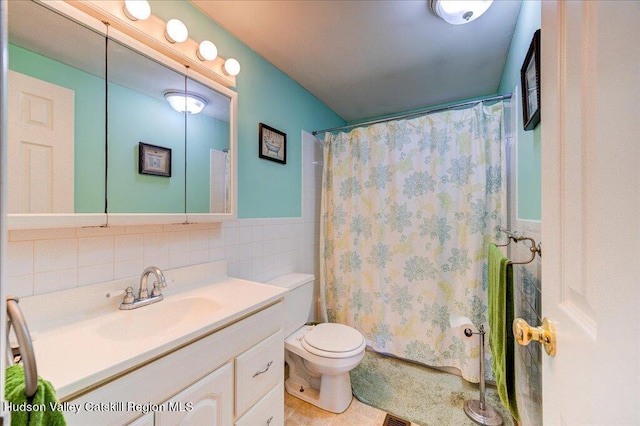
16, 319
513, 236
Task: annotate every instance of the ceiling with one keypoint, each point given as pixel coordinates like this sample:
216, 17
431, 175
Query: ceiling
366, 58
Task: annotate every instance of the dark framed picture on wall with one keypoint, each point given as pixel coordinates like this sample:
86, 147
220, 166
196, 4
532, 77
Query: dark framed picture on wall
272, 144
154, 160
530, 84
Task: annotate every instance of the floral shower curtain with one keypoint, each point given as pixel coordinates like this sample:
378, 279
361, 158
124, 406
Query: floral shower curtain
408, 208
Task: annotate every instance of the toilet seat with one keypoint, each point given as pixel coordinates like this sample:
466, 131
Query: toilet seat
331, 340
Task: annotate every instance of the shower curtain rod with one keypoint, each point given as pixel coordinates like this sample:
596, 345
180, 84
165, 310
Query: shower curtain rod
414, 114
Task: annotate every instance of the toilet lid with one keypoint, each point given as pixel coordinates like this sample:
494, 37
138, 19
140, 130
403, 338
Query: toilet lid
337, 339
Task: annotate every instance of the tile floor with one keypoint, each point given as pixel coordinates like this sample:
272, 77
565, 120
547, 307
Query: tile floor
300, 413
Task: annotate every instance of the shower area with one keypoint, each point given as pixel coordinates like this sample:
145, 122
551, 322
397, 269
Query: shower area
408, 208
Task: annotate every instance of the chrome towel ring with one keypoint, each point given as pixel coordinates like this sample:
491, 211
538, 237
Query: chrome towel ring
15, 318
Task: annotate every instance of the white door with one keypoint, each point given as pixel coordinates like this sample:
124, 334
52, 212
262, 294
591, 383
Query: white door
41, 142
591, 210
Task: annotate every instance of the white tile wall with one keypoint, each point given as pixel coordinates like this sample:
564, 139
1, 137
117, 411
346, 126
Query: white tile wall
44, 261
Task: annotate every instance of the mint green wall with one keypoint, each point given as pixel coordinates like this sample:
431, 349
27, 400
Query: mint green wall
528, 168
89, 123
265, 94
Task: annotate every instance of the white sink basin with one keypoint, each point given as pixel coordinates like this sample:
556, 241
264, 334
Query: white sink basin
158, 318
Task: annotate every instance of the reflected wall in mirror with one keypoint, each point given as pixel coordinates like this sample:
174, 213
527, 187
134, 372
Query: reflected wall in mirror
208, 152
56, 113
138, 112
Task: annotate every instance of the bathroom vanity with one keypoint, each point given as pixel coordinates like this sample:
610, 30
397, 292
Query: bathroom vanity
211, 352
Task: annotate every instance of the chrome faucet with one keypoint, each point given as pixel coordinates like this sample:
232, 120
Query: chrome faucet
157, 285
143, 299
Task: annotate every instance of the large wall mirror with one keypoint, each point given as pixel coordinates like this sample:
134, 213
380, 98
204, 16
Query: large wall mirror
120, 152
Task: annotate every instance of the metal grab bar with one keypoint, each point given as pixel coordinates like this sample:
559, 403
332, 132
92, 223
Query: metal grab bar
16, 319
513, 236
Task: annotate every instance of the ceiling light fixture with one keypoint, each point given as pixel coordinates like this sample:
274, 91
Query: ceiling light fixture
176, 31
207, 51
231, 67
137, 9
185, 101
459, 12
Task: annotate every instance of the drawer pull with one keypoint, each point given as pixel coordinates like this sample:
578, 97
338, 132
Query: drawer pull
257, 373
269, 421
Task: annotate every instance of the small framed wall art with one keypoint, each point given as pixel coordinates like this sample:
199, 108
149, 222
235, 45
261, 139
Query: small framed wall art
530, 84
154, 160
272, 144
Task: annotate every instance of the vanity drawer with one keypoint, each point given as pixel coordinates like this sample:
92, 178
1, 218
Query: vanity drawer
258, 370
269, 411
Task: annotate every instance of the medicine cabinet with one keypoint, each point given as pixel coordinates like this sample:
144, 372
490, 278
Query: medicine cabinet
87, 105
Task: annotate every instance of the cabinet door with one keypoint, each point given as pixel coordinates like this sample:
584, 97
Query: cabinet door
209, 401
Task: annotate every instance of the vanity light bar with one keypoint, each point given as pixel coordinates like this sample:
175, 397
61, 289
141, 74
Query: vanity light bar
152, 33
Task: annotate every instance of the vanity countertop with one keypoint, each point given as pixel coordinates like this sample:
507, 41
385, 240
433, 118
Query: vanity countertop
79, 348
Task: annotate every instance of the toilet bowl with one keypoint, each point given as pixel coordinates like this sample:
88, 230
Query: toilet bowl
321, 356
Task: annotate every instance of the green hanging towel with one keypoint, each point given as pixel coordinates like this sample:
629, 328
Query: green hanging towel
44, 396
501, 341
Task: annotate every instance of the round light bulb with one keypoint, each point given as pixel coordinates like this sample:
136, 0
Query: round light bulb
207, 51
176, 31
137, 9
232, 66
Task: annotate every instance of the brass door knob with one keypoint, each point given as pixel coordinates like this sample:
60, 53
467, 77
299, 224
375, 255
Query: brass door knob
545, 334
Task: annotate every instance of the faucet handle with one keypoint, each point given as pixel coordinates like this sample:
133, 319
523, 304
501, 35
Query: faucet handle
128, 297
156, 289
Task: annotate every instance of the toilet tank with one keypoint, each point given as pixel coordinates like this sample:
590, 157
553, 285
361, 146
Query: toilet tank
298, 302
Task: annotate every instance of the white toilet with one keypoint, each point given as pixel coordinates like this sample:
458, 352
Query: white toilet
321, 356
